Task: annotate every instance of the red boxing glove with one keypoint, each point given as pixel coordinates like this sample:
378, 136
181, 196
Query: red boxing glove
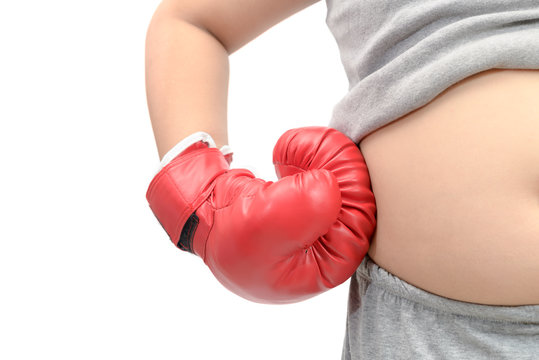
272, 242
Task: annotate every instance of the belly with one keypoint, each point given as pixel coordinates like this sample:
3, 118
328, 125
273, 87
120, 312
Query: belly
456, 184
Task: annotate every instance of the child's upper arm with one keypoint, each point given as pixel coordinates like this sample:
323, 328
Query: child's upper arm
233, 22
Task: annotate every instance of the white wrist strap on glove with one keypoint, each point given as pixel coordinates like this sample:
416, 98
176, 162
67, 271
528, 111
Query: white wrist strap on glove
188, 141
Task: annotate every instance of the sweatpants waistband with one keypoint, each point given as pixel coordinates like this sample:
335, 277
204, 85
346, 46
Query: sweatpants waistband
381, 278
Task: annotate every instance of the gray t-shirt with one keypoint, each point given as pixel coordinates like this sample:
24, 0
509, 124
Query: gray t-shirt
400, 54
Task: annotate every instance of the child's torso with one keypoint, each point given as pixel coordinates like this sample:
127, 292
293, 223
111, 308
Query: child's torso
457, 191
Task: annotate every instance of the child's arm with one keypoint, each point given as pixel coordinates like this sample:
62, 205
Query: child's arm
187, 70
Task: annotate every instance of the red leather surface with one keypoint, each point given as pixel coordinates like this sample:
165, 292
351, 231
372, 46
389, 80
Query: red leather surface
274, 242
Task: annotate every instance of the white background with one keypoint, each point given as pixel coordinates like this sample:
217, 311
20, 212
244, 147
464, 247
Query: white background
86, 271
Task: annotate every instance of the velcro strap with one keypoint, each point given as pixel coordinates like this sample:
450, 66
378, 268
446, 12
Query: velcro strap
181, 187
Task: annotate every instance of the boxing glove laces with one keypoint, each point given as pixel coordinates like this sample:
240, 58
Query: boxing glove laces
270, 242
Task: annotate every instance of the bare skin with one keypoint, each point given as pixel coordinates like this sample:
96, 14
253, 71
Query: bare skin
457, 191
188, 44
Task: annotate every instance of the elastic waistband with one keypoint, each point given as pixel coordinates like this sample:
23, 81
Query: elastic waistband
379, 277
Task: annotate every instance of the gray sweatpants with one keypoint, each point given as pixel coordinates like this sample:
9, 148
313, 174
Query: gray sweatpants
391, 319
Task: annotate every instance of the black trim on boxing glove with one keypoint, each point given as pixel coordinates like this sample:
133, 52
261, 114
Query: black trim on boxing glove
188, 232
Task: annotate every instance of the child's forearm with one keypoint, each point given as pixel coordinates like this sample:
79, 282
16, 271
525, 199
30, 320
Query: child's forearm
187, 72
